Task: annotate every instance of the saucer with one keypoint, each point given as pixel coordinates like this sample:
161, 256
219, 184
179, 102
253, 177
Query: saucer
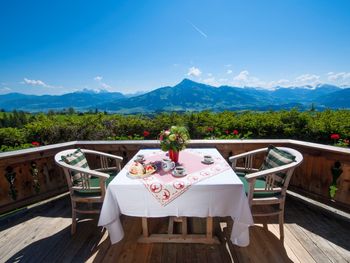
211, 162
178, 175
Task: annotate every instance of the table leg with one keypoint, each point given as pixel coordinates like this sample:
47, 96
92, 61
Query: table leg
145, 232
184, 237
184, 227
209, 228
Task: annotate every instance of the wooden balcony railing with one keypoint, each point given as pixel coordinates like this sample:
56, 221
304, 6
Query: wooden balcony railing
30, 175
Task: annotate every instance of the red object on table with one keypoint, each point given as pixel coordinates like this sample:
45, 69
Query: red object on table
174, 155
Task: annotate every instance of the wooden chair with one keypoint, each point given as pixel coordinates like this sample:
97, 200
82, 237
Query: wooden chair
92, 186
265, 187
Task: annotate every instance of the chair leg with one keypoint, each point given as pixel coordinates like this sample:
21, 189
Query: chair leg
281, 222
74, 219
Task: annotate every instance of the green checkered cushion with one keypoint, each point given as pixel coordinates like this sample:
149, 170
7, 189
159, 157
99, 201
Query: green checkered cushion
259, 183
275, 158
94, 182
77, 158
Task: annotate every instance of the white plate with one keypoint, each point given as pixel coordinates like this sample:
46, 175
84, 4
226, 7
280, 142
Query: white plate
178, 175
131, 176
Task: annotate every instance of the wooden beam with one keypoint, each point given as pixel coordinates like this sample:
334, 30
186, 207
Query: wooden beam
178, 238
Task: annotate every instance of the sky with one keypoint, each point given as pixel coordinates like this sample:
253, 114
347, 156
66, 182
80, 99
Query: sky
55, 47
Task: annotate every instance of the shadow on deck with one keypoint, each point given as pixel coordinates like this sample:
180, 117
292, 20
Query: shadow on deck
42, 234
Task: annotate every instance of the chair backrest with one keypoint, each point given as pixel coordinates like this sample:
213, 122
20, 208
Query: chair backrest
68, 171
289, 170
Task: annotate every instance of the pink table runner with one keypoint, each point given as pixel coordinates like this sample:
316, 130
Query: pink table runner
165, 187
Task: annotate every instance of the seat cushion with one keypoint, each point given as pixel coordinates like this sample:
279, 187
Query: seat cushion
275, 158
94, 182
78, 159
259, 183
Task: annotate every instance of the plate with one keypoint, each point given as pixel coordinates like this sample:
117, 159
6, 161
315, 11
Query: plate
208, 162
133, 176
178, 175
144, 175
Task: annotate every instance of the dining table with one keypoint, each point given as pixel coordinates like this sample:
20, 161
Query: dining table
205, 190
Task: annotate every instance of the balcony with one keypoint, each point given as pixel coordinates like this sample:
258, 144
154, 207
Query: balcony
316, 226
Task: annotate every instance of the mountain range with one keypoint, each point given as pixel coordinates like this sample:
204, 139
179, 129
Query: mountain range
185, 96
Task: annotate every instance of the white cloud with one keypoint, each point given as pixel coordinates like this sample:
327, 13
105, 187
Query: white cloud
229, 71
105, 86
210, 75
211, 81
101, 83
308, 78
341, 76
34, 82
242, 76
5, 89
280, 82
245, 79
193, 71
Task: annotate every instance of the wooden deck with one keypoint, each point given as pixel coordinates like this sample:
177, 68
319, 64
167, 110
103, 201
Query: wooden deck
42, 234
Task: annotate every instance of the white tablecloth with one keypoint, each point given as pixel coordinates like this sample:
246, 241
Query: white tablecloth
221, 195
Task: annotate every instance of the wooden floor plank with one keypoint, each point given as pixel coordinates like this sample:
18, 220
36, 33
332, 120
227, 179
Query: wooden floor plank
327, 227
44, 236
274, 229
32, 231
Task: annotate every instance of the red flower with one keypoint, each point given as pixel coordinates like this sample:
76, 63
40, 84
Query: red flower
36, 144
335, 136
146, 133
227, 131
210, 129
235, 132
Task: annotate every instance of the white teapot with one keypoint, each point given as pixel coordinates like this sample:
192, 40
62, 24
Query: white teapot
167, 164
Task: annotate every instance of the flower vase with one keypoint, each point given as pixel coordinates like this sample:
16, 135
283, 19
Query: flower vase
174, 155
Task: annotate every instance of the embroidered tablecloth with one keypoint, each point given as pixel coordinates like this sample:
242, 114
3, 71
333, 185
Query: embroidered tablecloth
221, 194
165, 187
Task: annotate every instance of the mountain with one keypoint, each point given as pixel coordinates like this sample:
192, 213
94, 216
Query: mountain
193, 96
186, 96
80, 100
338, 99
303, 94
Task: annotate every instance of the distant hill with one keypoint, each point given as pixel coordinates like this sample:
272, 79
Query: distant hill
186, 96
82, 100
338, 99
193, 96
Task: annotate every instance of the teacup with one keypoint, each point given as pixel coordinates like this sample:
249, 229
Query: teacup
140, 158
208, 159
167, 164
179, 170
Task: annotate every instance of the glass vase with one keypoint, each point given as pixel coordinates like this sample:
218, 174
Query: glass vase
174, 155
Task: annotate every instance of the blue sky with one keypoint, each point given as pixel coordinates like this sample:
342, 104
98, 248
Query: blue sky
54, 47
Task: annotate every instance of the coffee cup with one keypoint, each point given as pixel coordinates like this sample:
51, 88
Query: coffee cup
208, 159
167, 164
179, 170
139, 157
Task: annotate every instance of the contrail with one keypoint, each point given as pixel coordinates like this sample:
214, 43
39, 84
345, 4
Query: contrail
198, 30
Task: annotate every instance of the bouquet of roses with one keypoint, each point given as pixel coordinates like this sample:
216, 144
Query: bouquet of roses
174, 139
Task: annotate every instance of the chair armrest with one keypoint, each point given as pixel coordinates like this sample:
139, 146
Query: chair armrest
103, 176
264, 173
239, 156
118, 159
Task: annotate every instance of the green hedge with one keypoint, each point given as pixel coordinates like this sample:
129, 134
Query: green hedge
55, 128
